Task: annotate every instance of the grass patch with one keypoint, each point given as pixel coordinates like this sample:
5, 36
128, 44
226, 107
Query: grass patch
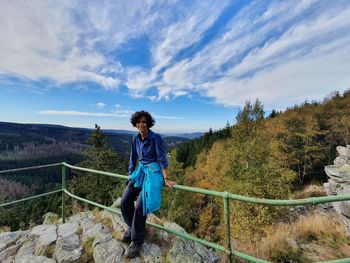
49, 251
117, 235
87, 255
97, 214
312, 190
104, 218
108, 223
319, 227
5, 229
317, 237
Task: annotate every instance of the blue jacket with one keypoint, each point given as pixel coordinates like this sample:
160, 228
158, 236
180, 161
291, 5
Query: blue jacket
149, 177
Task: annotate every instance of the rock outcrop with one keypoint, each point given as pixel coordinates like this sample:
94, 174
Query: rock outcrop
95, 237
339, 180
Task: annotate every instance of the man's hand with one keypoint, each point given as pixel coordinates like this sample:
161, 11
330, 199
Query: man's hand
169, 183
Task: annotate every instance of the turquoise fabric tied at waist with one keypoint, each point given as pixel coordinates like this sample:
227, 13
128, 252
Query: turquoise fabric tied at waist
149, 177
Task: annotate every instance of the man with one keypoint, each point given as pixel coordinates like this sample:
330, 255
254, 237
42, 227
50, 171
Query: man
146, 181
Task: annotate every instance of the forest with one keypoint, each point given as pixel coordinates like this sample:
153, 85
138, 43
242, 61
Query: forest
262, 155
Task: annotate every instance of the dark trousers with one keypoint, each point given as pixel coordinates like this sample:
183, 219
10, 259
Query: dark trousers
133, 215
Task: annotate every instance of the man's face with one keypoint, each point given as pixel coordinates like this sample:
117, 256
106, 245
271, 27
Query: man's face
141, 125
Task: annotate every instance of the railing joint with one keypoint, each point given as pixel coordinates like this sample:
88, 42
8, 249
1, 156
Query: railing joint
226, 195
313, 200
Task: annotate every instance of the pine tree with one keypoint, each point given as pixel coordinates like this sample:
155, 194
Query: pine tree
99, 156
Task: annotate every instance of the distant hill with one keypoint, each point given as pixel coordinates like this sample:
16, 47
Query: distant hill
15, 136
192, 135
119, 131
32, 144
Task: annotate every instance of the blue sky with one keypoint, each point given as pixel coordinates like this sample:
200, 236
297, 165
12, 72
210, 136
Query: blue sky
192, 64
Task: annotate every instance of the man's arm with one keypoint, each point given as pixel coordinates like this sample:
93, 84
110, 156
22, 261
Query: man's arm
166, 181
133, 157
163, 160
161, 152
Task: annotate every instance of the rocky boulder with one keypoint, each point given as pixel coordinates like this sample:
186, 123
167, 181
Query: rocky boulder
50, 218
339, 179
95, 237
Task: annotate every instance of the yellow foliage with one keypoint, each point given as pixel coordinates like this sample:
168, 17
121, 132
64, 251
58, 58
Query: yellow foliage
212, 166
214, 171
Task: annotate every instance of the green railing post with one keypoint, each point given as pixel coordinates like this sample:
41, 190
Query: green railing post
64, 174
227, 222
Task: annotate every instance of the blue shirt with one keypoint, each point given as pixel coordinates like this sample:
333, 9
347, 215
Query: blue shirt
151, 149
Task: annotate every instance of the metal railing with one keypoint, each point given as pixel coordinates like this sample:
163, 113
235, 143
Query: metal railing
224, 195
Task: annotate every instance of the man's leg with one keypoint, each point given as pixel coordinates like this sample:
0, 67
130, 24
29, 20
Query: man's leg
137, 230
138, 223
127, 203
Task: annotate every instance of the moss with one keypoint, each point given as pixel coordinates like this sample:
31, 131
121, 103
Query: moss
117, 235
79, 231
107, 222
50, 218
49, 251
87, 255
97, 214
5, 229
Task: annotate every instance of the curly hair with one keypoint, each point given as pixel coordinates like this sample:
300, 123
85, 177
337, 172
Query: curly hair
135, 118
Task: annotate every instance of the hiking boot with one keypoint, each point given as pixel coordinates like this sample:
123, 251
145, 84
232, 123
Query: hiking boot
127, 236
133, 250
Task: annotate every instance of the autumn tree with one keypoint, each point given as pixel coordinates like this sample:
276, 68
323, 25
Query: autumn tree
304, 144
340, 128
255, 171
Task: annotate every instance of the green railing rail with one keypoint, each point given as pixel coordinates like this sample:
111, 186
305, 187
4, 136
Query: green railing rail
228, 249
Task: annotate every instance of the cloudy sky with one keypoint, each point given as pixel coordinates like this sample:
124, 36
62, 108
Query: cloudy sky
192, 64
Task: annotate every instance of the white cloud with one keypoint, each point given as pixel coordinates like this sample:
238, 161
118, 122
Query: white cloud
301, 38
170, 40
100, 105
307, 61
119, 113
283, 86
186, 31
63, 42
168, 117
242, 34
280, 51
75, 113
123, 111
